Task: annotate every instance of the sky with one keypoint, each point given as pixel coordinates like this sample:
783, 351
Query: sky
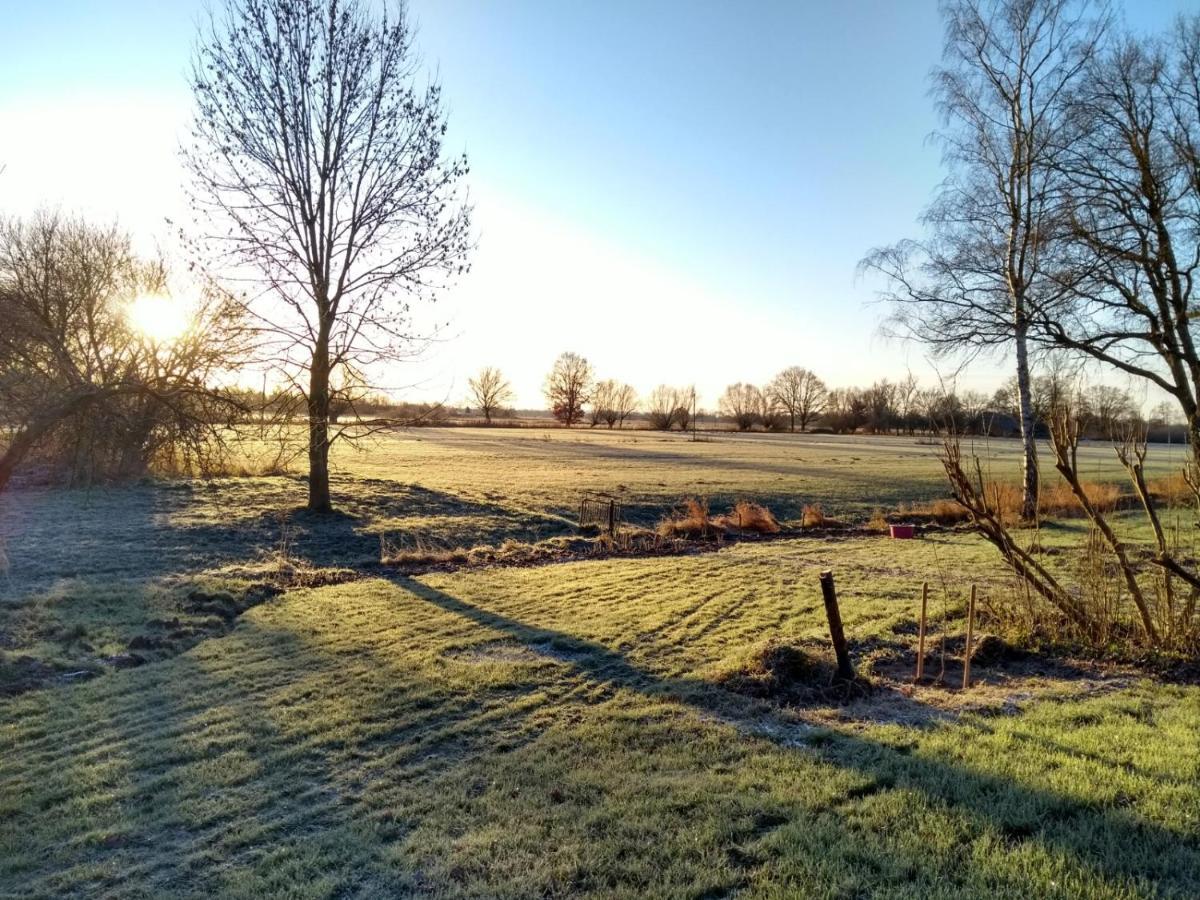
679, 191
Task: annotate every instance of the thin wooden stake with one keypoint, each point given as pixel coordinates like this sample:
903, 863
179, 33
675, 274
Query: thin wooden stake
845, 669
970, 637
921, 632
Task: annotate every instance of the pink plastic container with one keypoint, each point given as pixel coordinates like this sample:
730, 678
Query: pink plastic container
901, 532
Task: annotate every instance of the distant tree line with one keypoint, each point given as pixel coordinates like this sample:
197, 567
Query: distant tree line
797, 400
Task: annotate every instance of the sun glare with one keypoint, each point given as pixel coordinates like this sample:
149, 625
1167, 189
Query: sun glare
159, 317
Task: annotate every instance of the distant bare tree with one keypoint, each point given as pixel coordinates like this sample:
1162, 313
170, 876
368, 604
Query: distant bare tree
743, 404
623, 402
75, 371
1111, 408
612, 403
770, 414
490, 391
686, 413
662, 406
800, 394
969, 287
317, 166
880, 400
906, 397
568, 387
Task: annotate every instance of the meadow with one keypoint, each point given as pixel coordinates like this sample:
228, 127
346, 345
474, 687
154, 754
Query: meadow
210, 693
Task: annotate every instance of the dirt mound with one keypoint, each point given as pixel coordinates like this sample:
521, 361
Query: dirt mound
989, 650
791, 674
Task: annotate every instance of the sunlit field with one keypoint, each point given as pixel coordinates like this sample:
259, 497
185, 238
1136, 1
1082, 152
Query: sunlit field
296, 720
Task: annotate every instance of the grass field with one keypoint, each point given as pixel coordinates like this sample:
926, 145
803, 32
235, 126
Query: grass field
570, 729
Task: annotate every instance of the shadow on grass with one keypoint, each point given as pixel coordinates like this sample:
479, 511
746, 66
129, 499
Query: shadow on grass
156, 529
1114, 843
309, 757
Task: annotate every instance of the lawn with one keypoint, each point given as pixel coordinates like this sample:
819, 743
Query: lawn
569, 729
561, 730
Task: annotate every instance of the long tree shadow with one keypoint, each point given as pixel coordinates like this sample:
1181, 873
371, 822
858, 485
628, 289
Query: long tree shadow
1114, 842
155, 529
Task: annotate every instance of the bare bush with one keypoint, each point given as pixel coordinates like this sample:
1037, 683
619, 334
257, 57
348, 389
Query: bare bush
812, 516
1119, 595
80, 383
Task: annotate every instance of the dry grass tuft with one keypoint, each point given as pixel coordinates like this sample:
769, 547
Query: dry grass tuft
747, 516
1172, 490
1055, 500
943, 512
814, 517
878, 522
692, 521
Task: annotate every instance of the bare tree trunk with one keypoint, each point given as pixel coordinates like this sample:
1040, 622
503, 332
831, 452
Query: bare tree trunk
17, 451
1029, 461
318, 428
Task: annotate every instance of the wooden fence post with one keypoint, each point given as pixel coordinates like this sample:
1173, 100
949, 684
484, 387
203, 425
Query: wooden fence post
921, 631
829, 593
970, 636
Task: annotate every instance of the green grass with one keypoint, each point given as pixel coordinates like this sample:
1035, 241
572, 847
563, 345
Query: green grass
90, 570
558, 731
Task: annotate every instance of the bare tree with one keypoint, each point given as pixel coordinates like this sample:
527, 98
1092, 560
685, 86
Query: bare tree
490, 391
607, 397
880, 399
683, 412
623, 404
743, 404
1133, 238
800, 394
612, 403
568, 387
907, 391
969, 287
662, 406
1110, 407
770, 414
317, 164
75, 371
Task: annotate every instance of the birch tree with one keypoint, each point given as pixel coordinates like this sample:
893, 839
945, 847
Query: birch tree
970, 286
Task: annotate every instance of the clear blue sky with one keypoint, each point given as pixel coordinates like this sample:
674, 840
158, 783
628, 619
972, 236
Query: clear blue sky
679, 190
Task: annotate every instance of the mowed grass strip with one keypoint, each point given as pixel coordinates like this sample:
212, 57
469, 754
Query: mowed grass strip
556, 731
